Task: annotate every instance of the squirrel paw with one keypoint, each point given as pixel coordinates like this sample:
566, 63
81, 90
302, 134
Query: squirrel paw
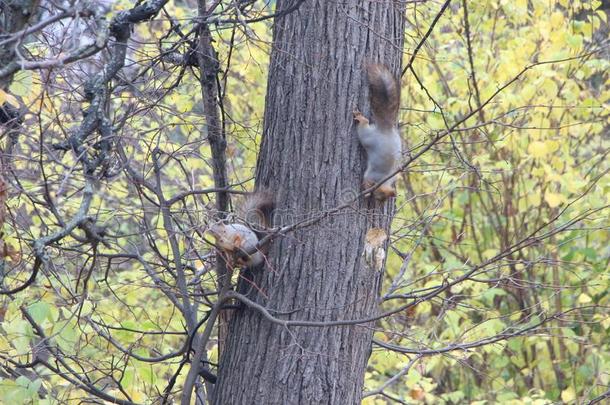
359, 118
242, 262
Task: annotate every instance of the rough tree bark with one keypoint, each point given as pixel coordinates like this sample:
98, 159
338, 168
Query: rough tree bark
311, 159
13, 17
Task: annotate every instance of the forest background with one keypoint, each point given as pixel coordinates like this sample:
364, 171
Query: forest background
496, 284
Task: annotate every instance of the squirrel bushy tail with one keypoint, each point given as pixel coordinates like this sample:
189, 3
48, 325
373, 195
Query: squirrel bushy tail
257, 209
384, 95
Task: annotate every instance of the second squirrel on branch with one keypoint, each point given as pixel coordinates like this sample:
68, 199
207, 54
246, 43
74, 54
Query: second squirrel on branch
381, 139
239, 240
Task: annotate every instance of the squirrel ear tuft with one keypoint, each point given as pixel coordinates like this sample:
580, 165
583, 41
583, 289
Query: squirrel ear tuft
237, 240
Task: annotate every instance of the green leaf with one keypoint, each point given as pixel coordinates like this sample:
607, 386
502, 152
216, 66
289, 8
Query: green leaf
22, 83
39, 311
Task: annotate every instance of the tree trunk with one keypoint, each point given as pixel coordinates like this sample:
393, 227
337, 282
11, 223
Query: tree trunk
13, 17
311, 159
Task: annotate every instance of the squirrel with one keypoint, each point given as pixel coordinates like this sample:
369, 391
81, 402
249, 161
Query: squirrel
239, 240
381, 140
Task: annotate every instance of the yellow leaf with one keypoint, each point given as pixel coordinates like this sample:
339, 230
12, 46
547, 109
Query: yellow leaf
552, 176
527, 93
553, 199
424, 308
22, 83
575, 183
558, 163
538, 172
584, 299
534, 199
9, 98
537, 149
521, 6
544, 28
552, 146
568, 395
515, 316
550, 88
489, 253
557, 19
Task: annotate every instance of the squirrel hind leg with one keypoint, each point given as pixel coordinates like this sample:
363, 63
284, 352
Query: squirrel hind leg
384, 192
